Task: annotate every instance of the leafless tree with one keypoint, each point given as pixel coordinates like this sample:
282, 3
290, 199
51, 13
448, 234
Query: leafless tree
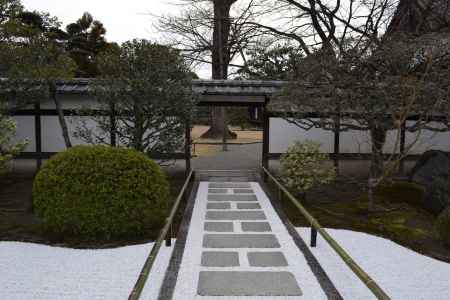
214, 32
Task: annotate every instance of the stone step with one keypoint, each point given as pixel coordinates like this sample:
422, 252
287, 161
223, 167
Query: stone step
248, 206
232, 198
235, 215
228, 185
220, 259
266, 259
240, 241
218, 205
217, 191
235, 283
255, 226
219, 226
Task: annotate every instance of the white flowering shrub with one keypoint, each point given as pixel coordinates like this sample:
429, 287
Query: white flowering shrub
7, 148
303, 167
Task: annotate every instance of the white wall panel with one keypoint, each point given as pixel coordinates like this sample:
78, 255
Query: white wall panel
25, 131
283, 134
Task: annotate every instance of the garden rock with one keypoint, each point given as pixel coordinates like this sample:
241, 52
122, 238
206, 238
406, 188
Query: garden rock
431, 164
432, 171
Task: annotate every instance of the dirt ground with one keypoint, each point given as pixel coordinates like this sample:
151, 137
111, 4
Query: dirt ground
203, 147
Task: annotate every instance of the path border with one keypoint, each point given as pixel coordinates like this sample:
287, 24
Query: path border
322, 277
171, 276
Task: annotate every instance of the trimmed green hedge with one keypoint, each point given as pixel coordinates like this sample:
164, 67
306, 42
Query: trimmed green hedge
101, 192
443, 226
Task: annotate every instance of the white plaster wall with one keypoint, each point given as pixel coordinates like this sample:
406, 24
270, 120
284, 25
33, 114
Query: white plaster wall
283, 134
25, 131
52, 140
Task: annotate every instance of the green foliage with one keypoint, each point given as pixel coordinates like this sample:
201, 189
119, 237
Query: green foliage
238, 116
373, 91
7, 147
32, 56
272, 63
437, 195
443, 226
148, 88
85, 41
101, 192
303, 167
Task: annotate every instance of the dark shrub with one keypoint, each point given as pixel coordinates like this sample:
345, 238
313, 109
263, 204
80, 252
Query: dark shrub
443, 226
100, 192
437, 196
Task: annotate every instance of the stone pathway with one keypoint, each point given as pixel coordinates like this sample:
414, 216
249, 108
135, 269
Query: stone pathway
237, 247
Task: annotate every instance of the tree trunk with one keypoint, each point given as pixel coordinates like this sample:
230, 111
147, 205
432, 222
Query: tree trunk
378, 138
138, 134
220, 61
420, 16
61, 118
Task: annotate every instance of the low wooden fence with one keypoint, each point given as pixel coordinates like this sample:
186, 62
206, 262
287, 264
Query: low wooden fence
316, 227
165, 234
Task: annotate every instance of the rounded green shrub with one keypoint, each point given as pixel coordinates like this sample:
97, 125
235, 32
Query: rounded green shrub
303, 167
101, 192
443, 226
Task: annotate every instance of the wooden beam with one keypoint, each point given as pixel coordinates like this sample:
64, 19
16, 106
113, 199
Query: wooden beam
337, 138
402, 147
113, 129
38, 133
47, 155
266, 141
350, 156
187, 147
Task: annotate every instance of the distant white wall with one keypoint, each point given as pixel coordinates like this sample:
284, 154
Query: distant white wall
52, 140
283, 134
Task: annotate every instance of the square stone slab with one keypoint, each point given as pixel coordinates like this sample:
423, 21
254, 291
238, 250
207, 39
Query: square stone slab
217, 191
225, 185
218, 179
235, 283
219, 226
220, 259
232, 198
218, 205
248, 206
243, 191
235, 215
255, 226
266, 259
240, 241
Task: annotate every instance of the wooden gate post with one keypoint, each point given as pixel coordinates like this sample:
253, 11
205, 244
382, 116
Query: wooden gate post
187, 147
266, 140
337, 137
38, 133
402, 148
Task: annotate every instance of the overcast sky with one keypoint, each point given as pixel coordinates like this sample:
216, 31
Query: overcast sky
123, 20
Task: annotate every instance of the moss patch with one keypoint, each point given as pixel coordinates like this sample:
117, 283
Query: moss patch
400, 218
